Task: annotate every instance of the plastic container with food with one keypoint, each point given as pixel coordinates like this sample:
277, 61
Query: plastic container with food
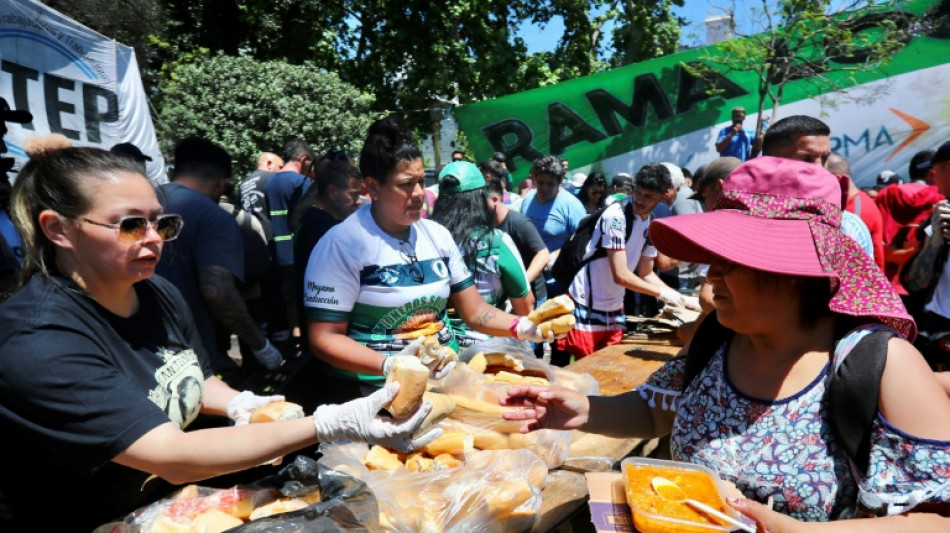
655, 514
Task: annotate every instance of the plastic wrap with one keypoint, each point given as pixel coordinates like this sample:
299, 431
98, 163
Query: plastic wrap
492, 491
346, 505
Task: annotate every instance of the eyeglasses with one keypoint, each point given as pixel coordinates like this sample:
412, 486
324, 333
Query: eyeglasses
134, 228
416, 271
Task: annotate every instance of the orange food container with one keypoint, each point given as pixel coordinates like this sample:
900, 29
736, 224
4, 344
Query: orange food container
654, 514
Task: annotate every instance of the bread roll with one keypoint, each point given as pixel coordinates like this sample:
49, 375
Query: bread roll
472, 404
430, 328
214, 521
478, 363
442, 406
412, 376
506, 496
418, 462
277, 507
558, 325
504, 360
275, 411
379, 458
453, 442
445, 461
557, 306
515, 379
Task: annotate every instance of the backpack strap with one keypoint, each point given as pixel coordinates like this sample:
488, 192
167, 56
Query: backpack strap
854, 389
709, 336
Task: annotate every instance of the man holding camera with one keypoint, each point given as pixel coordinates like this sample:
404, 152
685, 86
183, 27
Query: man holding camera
733, 140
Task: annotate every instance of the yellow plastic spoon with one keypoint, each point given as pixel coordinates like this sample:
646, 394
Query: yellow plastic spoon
669, 490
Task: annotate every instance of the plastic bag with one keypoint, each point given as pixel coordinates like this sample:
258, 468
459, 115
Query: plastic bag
496, 491
581, 382
347, 506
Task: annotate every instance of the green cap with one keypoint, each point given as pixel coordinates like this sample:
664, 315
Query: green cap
468, 175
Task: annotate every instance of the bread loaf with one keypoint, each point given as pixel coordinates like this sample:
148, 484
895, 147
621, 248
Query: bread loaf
214, 521
516, 379
558, 325
452, 442
412, 376
557, 306
472, 404
275, 411
442, 406
478, 363
503, 359
285, 505
379, 458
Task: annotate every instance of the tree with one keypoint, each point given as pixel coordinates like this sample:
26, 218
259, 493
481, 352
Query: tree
645, 30
811, 41
249, 106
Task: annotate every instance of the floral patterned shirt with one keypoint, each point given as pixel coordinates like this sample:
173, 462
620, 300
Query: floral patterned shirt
785, 449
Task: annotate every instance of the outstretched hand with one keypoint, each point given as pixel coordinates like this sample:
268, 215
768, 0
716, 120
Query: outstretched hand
768, 521
547, 407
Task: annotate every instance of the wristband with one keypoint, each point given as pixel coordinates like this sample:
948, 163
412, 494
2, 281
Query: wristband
513, 328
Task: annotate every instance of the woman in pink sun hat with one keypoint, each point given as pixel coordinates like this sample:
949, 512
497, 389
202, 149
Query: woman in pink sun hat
797, 303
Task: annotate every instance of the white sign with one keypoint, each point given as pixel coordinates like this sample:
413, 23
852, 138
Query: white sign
74, 81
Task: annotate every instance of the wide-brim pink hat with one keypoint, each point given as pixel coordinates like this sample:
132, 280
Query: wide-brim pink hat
784, 216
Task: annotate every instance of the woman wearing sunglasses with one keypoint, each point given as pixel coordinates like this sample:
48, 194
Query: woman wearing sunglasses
101, 368
383, 277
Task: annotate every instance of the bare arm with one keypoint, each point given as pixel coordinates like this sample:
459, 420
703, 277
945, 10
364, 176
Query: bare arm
524, 305
538, 262
617, 259
664, 262
224, 301
184, 457
329, 342
775, 522
216, 397
901, 405
724, 143
479, 315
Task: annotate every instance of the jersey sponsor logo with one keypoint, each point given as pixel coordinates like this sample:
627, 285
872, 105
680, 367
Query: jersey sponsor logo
388, 276
414, 311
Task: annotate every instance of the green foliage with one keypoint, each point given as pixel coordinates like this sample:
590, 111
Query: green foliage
645, 30
250, 106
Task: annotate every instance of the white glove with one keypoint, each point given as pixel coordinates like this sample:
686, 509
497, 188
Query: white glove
241, 406
692, 303
269, 356
671, 297
526, 330
439, 373
359, 420
413, 349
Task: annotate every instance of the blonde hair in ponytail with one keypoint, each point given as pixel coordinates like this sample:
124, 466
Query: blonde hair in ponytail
53, 179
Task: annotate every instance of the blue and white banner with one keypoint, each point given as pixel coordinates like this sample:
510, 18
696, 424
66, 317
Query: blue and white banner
74, 81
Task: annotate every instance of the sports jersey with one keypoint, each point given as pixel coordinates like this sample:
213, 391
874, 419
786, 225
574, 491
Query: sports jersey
384, 287
499, 275
610, 233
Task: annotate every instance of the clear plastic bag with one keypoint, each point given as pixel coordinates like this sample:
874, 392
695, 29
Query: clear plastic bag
492, 491
347, 505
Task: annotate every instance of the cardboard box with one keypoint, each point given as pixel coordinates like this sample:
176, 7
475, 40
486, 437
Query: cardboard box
608, 504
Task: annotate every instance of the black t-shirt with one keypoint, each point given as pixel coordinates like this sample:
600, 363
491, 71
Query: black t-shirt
79, 385
528, 241
314, 224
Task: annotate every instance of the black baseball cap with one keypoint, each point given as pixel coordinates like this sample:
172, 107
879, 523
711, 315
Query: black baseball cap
942, 154
130, 150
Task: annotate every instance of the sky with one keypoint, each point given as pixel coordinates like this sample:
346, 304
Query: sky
541, 39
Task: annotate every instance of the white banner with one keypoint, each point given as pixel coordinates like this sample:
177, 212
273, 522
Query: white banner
74, 81
908, 114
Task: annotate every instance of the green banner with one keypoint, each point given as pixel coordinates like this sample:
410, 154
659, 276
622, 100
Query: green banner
605, 115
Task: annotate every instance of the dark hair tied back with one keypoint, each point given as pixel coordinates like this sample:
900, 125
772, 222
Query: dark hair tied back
388, 144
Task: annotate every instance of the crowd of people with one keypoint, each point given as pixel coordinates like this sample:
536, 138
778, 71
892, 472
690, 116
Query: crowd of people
351, 258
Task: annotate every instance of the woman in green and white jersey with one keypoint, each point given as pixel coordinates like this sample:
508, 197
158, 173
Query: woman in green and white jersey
384, 275
487, 252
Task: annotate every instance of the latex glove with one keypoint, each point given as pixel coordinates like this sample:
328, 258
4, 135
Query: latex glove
526, 330
439, 373
359, 420
269, 356
241, 406
692, 303
671, 297
410, 349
